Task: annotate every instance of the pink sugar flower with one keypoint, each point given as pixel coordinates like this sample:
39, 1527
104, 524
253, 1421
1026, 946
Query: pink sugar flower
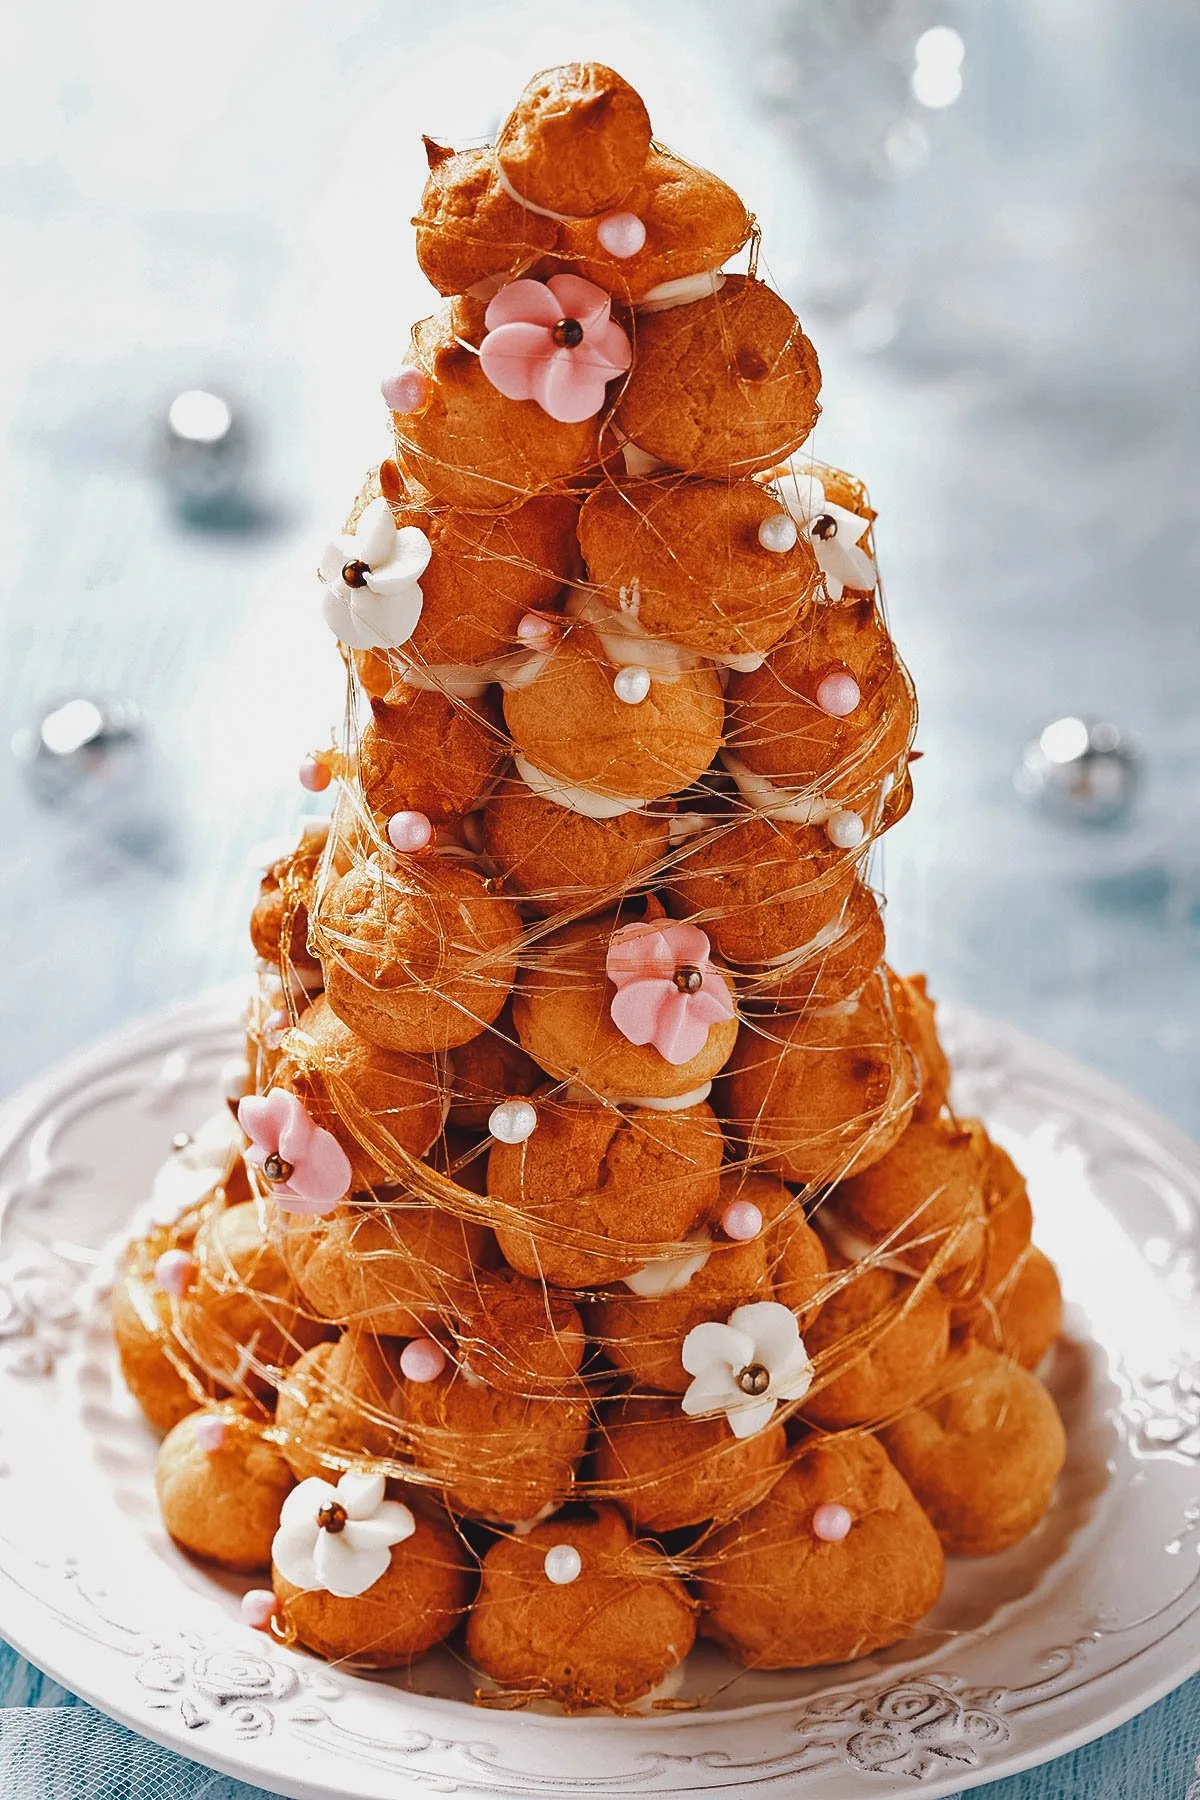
668, 994
307, 1168
554, 342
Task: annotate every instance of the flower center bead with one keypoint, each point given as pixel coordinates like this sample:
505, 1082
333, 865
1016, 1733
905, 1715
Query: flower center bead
354, 574
275, 1169
754, 1379
332, 1517
824, 526
567, 333
688, 979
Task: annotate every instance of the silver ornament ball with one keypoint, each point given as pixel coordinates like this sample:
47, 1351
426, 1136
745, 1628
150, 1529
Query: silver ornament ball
1081, 771
79, 748
205, 454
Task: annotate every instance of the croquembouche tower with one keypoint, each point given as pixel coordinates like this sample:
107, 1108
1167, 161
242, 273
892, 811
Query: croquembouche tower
592, 1258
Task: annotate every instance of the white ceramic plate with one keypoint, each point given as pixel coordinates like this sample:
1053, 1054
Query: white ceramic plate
1093, 1617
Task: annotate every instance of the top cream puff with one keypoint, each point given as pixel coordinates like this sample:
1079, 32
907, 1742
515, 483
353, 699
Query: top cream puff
576, 141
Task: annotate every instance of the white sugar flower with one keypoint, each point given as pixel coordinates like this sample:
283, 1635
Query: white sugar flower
747, 1366
339, 1539
832, 530
372, 583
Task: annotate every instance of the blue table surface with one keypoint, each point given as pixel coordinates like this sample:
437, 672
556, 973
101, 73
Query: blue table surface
1005, 293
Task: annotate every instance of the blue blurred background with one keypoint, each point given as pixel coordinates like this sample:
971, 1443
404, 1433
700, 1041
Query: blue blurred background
988, 216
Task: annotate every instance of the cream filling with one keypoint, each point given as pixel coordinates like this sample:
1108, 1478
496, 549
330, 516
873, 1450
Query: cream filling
581, 800
680, 292
523, 1527
626, 642
828, 935
467, 681
639, 461
543, 212
779, 802
858, 1249
583, 1096
685, 825
671, 1274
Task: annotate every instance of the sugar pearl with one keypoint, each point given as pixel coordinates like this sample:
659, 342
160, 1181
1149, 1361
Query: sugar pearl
422, 1360
409, 831
210, 1431
838, 694
621, 234
174, 1271
741, 1221
258, 1608
536, 633
845, 830
407, 390
513, 1121
563, 1564
315, 776
778, 532
632, 684
831, 1523
276, 1022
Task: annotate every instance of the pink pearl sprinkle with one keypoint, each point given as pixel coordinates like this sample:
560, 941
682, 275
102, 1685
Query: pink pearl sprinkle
258, 1608
210, 1432
838, 695
174, 1271
536, 633
315, 775
621, 234
741, 1221
831, 1523
422, 1360
407, 390
409, 831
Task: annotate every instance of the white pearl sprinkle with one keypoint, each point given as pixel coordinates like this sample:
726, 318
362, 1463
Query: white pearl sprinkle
513, 1121
632, 684
563, 1564
846, 830
778, 532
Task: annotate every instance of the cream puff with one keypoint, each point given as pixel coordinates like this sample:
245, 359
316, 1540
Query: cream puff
838, 1560
429, 752
381, 1105
588, 740
691, 563
220, 1485
419, 958
982, 1452
645, 1048
470, 229
677, 225
724, 386
595, 1190
554, 859
575, 143
579, 1612
822, 1095
464, 441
